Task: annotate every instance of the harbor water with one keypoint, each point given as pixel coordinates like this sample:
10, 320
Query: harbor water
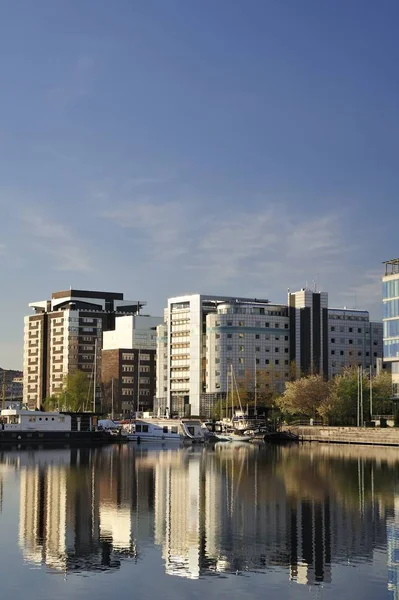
229, 521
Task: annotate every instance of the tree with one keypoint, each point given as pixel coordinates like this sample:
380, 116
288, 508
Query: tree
304, 396
76, 391
340, 407
382, 393
266, 388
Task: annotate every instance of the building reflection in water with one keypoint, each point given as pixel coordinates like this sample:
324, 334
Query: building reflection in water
226, 509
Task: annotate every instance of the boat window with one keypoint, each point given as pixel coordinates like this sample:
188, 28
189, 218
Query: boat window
145, 428
174, 429
191, 430
13, 419
32, 419
61, 419
138, 428
165, 429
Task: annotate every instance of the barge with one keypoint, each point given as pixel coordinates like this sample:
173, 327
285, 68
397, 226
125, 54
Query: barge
20, 426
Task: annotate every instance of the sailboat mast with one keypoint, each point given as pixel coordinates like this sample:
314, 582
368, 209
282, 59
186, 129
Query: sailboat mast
95, 376
256, 391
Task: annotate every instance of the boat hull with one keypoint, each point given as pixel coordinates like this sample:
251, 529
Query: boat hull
59, 437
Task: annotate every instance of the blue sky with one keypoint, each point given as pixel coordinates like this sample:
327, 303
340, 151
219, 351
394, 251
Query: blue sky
161, 147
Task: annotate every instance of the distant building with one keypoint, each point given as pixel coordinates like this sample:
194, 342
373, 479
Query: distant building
390, 298
13, 384
128, 371
354, 340
203, 338
60, 337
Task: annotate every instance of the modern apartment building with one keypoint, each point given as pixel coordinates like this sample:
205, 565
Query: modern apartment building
204, 337
390, 298
128, 371
353, 340
61, 336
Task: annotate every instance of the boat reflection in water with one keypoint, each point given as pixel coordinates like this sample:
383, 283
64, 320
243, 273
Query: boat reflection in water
229, 509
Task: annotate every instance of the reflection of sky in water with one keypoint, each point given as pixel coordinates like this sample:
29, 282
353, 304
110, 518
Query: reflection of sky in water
315, 521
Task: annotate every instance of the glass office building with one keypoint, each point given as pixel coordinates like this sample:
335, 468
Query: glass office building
390, 298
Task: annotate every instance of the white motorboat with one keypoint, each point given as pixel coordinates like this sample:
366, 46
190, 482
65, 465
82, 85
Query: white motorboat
165, 430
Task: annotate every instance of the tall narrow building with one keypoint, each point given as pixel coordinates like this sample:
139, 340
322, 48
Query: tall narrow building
61, 336
309, 332
390, 298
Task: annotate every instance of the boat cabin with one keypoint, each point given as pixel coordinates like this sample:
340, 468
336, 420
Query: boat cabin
13, 419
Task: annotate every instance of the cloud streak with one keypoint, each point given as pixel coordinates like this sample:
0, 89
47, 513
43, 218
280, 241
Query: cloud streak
55, 240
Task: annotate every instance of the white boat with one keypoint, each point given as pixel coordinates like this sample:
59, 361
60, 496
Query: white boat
232, 429
231, 435
166, 430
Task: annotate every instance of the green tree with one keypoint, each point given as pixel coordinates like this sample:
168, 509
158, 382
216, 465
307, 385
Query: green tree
304, 396
266, 388
75, 395
382, 393
52, 402
340, 407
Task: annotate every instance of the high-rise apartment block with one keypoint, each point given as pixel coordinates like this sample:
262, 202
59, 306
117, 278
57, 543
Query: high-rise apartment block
205, 337
62, 334
390, 296
128, 362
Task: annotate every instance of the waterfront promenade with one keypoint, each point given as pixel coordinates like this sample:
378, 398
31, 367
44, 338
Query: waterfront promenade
387, 436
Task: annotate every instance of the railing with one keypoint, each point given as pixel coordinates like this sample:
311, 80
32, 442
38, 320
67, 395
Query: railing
306, 423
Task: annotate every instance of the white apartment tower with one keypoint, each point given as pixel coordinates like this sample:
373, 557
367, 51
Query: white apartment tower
204, 337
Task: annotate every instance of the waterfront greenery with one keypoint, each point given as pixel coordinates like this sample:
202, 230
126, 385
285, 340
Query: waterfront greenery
74, 395
336, 401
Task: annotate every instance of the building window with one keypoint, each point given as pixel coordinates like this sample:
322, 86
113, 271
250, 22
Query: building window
286, 362
276, 349
277, 337
277, 325
257, 336
127, 356
229, 323
333, 340
341, 352
241, 361
241, 323
350, 329
267, 324
286, 338
257, 349
257, 361
359, 330
286, 326
267, 361
332, 328
229, 335
241, 348
241, 335
276, 362
351, 341
332, 351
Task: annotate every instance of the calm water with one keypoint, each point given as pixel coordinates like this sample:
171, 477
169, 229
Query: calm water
233, 521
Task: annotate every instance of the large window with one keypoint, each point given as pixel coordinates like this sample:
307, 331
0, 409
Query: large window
391, 348
391, 329
390, 289
391, 309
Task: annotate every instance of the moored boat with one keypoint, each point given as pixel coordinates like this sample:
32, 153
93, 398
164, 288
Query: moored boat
165, 430
22, 426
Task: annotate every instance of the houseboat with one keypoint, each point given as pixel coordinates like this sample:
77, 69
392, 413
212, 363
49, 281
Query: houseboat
165, 430
21, 426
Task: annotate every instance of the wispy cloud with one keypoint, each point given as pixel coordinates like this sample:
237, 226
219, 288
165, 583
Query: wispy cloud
55, 240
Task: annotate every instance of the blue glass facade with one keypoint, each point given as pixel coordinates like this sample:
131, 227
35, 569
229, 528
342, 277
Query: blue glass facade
391, 328
390, 289
391, 309
391, 348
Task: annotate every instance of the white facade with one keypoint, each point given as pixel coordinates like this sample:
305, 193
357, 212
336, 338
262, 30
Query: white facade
132, 332
353, 340
203, 336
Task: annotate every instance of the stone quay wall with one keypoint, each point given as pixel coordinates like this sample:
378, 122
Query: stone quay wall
387, 436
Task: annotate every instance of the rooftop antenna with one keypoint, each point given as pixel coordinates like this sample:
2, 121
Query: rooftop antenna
314, 286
